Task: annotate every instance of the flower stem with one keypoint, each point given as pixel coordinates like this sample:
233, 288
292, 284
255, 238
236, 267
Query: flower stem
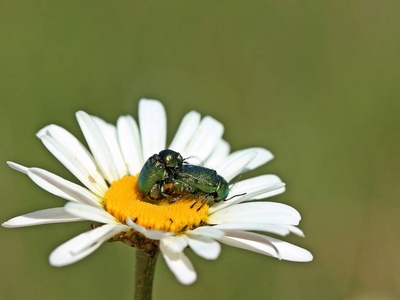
144, 275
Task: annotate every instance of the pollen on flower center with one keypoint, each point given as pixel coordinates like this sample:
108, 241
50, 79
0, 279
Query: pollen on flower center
124, 199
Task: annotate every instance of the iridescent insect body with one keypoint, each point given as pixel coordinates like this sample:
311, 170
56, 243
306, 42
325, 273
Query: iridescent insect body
158, 170
202, 182
168, 168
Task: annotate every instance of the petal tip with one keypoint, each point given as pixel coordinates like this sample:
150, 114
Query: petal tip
81, 114
42, 132
6, 224
17, 167
53, 261
188, 281
148, 100
308, 257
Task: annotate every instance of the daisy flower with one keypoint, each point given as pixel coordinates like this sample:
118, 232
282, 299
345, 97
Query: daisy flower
110, 196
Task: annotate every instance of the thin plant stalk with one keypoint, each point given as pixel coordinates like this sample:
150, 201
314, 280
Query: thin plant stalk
144, 275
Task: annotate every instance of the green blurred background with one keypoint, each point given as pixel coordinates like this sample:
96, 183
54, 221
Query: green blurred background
316, 82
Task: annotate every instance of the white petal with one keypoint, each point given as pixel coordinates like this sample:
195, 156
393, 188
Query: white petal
51, 186
90, 213
46, 216
70, 143
99, 187
98, 146
186, 130
294, 230
205, 247
97, 235
175, 244
264, 247
276, 229
43, 131
253, 183
153, 126
83, 245
234, 165
270, 194
74, 150
250, 194
206, 138
256, 212
110, 136
17, 167
291, 252
209, 231
260, 243
131, 146
219, 154
180, 265
63, 188
260, 157
59, 186
263, 156
149, 233
245, 186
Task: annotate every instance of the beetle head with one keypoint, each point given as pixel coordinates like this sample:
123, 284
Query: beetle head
172, 159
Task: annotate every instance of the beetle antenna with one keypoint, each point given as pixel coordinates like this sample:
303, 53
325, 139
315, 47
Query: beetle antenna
235, 196
195, 157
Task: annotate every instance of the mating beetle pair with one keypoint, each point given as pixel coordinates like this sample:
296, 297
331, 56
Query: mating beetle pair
168, 168
157, 171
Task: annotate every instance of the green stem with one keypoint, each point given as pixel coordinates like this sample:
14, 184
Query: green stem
144, 275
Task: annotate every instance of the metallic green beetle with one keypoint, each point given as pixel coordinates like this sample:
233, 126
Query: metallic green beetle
158, 170
202, 182
167, 167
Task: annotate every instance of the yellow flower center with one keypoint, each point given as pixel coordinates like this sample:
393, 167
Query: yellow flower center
124, 199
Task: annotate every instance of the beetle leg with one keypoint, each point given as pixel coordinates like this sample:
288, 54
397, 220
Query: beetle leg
202, 205
198, 200
155, 192
173, 199
167, 196
207, 199
182, 187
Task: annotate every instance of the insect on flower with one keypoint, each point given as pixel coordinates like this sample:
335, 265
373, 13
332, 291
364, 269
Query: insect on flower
157, 171
117, 181
165, 175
